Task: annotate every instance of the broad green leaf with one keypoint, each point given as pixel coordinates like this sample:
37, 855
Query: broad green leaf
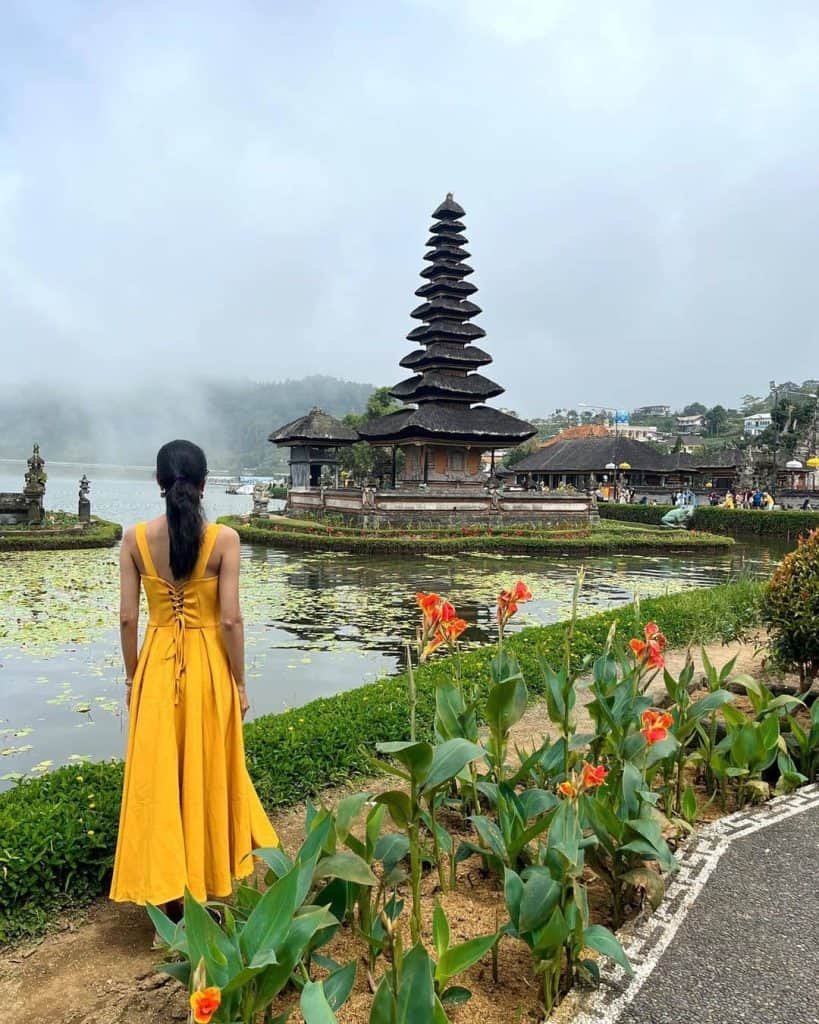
540, 895
416, 757
381, 1011
506, 704
416, 997
440, 930
278, 861
314, 1006
165, 927
339, 985
448, 759
345, 865
398, 804
552, 935
455, 995
513, 895
391, 848
303, 927
347, 811
600, 938
461, 957
267, 926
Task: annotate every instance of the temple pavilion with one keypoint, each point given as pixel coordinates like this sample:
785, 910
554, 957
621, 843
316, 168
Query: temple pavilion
314, 441
446, 426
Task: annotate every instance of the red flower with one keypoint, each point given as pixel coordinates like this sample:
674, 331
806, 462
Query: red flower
591, 775
508, 601
655, 726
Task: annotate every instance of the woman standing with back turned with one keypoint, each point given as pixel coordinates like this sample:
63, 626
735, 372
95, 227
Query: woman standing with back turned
190, 816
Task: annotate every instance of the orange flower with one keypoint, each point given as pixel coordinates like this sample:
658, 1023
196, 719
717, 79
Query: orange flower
447, 612
508, 601
655, 726
452, 628
650, 649
568, 789
205, 1003
591, 775
430, 605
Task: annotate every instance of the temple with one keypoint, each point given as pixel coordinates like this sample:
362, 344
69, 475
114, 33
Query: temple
439, 440
445, 428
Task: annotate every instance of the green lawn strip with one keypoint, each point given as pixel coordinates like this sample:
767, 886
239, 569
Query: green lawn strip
57, 833
609, 538
64, 535
736, 522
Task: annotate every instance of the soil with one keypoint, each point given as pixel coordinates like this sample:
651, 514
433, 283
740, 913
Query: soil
98, 968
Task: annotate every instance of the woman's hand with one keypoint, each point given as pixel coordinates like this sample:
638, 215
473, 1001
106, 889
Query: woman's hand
244, 703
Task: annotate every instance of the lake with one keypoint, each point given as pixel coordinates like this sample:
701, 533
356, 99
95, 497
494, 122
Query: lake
316, 623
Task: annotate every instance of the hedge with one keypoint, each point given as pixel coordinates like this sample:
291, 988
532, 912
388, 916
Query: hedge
57, 833
412, 544
737, 522
99, 534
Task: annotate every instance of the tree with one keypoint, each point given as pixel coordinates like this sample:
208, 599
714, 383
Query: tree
516, 455
695, 409
362, 460
715, 420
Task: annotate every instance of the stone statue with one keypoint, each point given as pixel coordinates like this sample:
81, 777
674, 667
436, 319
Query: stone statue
368, 497
261, 499
679, 517
84, 504
34, 490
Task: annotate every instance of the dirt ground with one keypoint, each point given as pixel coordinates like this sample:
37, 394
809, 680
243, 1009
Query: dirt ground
99, 968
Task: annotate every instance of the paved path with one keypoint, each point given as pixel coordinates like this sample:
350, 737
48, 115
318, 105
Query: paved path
736, 940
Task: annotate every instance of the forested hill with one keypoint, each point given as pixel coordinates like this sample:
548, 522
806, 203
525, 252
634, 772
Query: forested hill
231, 420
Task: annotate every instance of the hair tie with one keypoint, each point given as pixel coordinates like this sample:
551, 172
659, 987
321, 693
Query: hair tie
178, 478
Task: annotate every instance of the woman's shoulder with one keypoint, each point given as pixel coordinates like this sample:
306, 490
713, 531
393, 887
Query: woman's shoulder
226, 536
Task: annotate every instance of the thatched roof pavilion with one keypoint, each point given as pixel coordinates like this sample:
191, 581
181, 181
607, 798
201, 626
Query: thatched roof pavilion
314, 441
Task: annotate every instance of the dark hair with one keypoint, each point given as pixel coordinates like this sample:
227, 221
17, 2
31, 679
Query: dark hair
181, 468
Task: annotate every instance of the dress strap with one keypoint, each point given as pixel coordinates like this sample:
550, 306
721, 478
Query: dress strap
208, 540
145, 551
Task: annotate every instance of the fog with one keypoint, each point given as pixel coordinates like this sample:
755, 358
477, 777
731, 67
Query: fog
239, 191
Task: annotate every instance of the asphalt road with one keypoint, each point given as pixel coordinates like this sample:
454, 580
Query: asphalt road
748, 950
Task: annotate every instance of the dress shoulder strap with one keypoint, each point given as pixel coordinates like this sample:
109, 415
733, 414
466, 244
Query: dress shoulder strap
144, 550
208, 540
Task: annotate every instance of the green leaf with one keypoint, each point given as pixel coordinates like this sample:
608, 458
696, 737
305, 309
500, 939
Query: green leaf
339, 985
448, 759
345, 865
540, 895
506, 705
552, 935
600, 938
391, 848
278, 861
455, 995
314, 1006
381, 1011
303, 927
375, 820
398, 804
267, 926
165, 928
689, 804
416, 997
416, 757
347, 811
461, 957
440, 930
513, 895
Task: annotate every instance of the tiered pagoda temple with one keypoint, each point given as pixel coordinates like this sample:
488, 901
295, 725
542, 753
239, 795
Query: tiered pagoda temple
445, 428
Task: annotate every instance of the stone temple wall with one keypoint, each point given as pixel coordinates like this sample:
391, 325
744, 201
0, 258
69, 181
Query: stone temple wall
416, 507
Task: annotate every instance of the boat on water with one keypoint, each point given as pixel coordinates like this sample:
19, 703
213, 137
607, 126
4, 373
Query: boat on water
239, 488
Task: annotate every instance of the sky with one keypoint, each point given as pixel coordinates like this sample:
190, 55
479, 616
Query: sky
243, 190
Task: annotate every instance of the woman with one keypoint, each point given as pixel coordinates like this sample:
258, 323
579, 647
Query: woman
190, 816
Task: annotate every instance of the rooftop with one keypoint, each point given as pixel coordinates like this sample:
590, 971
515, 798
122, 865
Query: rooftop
316, 428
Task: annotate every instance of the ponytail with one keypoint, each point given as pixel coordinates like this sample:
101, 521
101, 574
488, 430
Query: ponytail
181, 468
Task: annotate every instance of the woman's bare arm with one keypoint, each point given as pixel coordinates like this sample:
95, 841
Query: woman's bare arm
233, 629
128, 609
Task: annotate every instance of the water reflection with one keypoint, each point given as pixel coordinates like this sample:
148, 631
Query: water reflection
317, 623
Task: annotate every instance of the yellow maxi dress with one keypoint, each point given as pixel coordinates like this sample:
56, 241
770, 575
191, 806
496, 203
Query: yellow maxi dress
190, 815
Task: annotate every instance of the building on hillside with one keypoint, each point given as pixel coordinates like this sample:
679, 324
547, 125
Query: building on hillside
754, 425
652, 410
634, 431
690, 424
314, 441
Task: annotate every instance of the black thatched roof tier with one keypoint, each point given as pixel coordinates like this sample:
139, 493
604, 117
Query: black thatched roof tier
448, 386
446, 253
593, 454
316, 428
450, 289
443, 354
446, 330
452, 238
449, 209
442, 308
444, 386
448, 227
434, 421
447, 268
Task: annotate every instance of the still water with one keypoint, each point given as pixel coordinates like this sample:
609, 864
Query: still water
316, 623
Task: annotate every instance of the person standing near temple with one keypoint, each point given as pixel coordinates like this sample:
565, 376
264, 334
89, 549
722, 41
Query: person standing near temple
190, 816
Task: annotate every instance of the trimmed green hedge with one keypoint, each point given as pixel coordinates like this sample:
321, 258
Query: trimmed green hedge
57, 833
411, 544
737, 522
99, 534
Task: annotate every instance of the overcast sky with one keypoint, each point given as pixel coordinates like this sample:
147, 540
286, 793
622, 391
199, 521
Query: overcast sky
244, 189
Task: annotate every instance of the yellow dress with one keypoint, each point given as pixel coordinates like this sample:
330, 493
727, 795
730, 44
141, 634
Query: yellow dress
190, 815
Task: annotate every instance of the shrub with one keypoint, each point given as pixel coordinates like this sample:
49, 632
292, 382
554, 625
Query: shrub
790, 610
739, 522
99, 534
48, 857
